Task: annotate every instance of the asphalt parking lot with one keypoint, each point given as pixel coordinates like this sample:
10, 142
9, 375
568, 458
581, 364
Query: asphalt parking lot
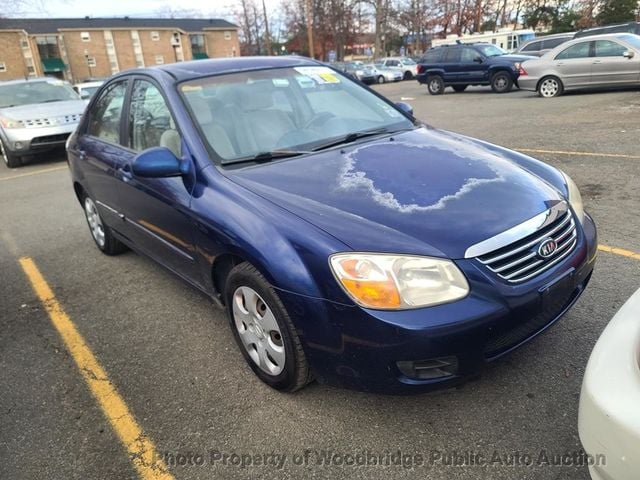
171, 357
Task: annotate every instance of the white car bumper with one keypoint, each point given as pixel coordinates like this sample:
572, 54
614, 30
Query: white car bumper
609, 417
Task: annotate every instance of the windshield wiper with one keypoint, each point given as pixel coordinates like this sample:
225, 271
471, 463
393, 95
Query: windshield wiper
268, 156
51, 100
352, 137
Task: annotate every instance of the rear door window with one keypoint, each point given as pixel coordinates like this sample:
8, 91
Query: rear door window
452, 55
532, 47
553, 43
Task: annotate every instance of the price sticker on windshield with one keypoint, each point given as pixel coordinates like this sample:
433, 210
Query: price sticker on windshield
320, 75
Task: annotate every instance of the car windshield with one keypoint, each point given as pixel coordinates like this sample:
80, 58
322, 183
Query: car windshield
490, 50
296, 110
633, 40
30, 93
90, 90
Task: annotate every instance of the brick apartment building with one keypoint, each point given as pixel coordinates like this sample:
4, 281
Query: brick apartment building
75, 49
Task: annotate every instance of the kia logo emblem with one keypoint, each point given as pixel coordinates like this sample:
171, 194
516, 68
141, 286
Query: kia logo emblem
547, 247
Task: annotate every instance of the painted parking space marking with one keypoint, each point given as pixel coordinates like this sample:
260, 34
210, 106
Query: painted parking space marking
35, 172
579, 154
141, 449
619, 251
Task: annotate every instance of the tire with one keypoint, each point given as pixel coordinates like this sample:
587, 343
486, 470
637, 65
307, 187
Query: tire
10, 160
101, 233
380, 79
459, 88
263, 330
435, 85
407, 76
501, 82
550, 87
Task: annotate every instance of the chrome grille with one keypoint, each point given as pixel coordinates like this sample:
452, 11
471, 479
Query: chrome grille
53, 121
520, 260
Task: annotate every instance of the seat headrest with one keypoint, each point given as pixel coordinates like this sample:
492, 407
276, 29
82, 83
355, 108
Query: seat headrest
257, 96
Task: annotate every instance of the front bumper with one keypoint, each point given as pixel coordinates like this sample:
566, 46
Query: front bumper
352, 347
27, 141
609, 415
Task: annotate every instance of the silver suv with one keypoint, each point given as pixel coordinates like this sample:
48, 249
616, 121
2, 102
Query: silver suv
35, 116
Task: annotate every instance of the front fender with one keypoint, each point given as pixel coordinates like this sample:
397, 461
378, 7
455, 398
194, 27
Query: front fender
291, 253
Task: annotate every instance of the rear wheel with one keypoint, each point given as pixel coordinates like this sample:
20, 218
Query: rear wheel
380, 79
550, 87
501, 82
101, 233
435, 85
459, 88
263, 330
10, 160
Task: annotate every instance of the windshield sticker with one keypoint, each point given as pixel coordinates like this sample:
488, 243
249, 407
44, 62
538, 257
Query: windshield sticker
392, 112
280, 82
191, 88
320, 75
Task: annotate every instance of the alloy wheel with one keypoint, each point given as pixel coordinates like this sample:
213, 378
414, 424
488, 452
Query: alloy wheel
258, 330
549, 87
95, 222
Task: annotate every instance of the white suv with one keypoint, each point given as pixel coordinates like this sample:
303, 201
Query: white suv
408, 67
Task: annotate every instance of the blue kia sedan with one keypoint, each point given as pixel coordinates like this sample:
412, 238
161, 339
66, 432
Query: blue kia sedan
347, 241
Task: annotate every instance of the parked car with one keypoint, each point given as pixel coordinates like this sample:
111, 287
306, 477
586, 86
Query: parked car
541, 45
86, 90
608, 418
406, 65
590, 62
357, 70
629, 27
384, 74
347, 241
461, 65
35, 116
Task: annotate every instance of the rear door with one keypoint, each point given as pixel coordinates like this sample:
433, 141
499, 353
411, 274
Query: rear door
100, 152
573, 64
157, 209
611, 67
451, 65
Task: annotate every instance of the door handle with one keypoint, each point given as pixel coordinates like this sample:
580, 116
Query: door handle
82, 155
595, 62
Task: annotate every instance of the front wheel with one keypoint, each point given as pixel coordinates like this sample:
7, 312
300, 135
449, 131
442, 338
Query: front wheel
435, 85
501, 82
263, 330
10, 160
550, 87
407, 76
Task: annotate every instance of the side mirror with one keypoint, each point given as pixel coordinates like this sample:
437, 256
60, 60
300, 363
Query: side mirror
405, 107
628, 54
478, 59
158, 162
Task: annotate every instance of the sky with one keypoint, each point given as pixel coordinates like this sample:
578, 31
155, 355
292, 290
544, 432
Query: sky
139, 8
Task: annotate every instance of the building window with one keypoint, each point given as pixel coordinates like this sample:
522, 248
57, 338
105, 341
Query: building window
24, 44
3, 67
139, 63
155, 36
159, 59
85, 37
198, 48
227, 35
91, 61
48, 47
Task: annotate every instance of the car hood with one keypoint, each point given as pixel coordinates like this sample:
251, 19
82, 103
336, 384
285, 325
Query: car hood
425, 192
44, 110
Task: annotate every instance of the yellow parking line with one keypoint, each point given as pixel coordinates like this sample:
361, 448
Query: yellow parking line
141, 449
579, 154
619, 251
35, 172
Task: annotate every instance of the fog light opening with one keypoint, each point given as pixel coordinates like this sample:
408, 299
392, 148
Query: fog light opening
429, 369
18, 145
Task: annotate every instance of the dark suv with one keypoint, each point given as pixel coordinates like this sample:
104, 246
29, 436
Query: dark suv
461, 65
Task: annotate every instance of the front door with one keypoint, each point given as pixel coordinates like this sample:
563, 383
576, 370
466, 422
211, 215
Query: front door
611, 67
157, 209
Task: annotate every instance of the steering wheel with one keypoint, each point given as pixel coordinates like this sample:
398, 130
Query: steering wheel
318, 119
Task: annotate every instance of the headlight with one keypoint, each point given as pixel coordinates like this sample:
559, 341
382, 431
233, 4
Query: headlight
575, 199
398, 282
9, 123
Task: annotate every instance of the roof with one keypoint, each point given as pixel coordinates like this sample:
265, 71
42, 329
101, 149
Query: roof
53, 25
203, 68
